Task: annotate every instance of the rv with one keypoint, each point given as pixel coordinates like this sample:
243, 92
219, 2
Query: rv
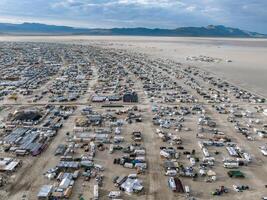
205, 152
231, 165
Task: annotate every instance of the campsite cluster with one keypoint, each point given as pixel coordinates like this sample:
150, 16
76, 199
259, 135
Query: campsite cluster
84, 122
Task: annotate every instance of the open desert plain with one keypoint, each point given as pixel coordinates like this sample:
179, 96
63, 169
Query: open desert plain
120, 117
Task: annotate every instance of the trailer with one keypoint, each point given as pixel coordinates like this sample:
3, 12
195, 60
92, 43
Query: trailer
96, 192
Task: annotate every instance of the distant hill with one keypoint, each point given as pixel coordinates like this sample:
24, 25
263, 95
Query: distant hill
43, 29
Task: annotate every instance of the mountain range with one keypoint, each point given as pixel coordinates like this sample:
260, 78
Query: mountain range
44, 29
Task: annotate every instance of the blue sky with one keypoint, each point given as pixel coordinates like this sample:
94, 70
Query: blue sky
246, 14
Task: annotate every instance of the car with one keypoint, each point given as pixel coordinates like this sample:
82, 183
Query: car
235, 174
236, 188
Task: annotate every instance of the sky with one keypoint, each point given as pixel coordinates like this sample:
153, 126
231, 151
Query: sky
245, 14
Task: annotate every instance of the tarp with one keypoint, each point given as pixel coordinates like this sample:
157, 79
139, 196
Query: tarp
131, 185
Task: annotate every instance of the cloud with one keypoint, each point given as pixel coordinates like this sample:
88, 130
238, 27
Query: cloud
191, 8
